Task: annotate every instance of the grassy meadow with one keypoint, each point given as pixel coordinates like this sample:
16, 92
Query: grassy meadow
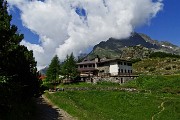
157, 98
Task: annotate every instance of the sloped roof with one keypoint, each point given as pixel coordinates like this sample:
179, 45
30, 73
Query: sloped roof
86, 62
110, 60
101, 61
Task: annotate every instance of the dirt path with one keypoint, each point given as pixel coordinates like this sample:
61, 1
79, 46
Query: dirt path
163, 108
48, 111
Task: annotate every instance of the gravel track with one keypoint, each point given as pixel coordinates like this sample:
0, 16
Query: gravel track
48, 111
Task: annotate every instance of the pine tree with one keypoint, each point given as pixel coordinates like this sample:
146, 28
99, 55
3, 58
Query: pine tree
19, 79
69, 67
53, 71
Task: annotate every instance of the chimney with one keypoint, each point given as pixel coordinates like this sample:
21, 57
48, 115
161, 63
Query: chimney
97, 59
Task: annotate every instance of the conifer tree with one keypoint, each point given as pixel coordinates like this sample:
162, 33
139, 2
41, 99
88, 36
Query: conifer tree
69, 67
53, 71
19, 79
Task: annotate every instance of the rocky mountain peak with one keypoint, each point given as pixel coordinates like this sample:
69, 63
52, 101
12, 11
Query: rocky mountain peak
116, 48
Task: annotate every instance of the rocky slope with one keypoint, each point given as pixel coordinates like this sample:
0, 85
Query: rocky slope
136, 46
157, 66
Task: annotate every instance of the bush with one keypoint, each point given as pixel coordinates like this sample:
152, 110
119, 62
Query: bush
174, 66
135, 60
174, 59
168, 68
48, 86
152, 69
145, 67
163, 55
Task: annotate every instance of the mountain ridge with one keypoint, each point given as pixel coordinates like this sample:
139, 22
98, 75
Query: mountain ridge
117, 48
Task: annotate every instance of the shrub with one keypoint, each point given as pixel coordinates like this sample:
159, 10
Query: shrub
152, 69
47, 86
174, 59
135, 60
163, 55
168, 68
145, 67
174, 66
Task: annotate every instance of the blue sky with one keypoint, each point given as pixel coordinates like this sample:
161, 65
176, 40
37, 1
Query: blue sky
28, 34
166, 25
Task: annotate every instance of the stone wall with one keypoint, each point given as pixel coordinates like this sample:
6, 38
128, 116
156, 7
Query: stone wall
119, 80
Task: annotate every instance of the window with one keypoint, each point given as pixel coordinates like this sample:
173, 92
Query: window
125, 71
119, 63
102, 64
81, 66
85, 66
129, 64
121, 70
125, 63
90, 65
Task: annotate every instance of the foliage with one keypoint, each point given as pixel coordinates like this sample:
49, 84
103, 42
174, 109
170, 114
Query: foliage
168, 68
152, 69
47, 86
19, 79
69, 67
53, 71
135, 60
23, 111
163, 55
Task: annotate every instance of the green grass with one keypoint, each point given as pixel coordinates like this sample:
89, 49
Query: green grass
119, 105
106, 105
167, 84
171, 111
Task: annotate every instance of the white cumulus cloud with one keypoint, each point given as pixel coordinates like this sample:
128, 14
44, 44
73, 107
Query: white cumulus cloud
66, 26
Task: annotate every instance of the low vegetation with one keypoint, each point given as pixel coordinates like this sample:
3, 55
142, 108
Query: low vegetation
157, 97
163, 55
157, 66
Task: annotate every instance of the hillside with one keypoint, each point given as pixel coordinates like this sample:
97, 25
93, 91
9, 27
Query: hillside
157, 66
43, 71
136, 46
